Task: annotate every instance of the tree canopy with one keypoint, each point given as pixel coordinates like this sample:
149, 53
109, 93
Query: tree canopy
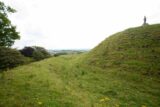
35, 52
10, 58
8, 33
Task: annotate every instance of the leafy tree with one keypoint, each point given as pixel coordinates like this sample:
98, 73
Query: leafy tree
8, 33
42, 50
40, 53
10, 58
35, 52
37, 55
27, 51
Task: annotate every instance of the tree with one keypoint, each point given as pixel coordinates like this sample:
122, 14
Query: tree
8, 33
35, 52
27, 51
10, 58
40, 53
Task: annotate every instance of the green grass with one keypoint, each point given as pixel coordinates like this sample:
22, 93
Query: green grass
123, 71
64, 82
135, 49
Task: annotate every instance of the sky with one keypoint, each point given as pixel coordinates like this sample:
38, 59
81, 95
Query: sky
77, 24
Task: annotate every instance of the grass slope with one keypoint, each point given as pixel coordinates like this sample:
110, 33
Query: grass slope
135, 49
64, 82
99, 78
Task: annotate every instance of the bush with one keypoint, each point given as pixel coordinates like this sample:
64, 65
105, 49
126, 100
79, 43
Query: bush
10, 58
27, 51
37, 55
35, 52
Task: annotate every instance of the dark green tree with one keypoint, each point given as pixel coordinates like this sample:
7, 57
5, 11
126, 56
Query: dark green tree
27, 51
10, 58
8, 33
35, 52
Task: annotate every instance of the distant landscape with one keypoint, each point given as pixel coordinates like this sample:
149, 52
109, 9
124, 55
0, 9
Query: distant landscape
67, 51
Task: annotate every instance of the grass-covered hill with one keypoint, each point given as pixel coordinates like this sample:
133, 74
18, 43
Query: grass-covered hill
64, 82
99, 78
135, 49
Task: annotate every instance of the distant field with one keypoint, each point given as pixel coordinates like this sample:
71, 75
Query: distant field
66, 81
67, 51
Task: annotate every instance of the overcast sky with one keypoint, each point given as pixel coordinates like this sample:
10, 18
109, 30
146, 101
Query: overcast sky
77, 24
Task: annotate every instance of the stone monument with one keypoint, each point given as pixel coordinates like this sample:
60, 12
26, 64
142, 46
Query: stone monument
145, 21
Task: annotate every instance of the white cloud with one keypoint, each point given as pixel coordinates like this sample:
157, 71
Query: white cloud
77, 23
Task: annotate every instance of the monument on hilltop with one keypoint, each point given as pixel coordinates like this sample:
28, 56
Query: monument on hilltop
145, 21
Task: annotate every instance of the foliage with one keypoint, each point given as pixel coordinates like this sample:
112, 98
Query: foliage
42, 50
35, 52
38, 55
27, 51
10, 58
8, 33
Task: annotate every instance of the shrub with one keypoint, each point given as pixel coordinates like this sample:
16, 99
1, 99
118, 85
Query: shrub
37, 55
35, 52
10, 58
27, 51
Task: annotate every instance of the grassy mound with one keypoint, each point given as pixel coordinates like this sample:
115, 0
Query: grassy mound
135, 49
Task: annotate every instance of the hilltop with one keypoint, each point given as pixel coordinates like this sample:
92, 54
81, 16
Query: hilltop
134, 49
